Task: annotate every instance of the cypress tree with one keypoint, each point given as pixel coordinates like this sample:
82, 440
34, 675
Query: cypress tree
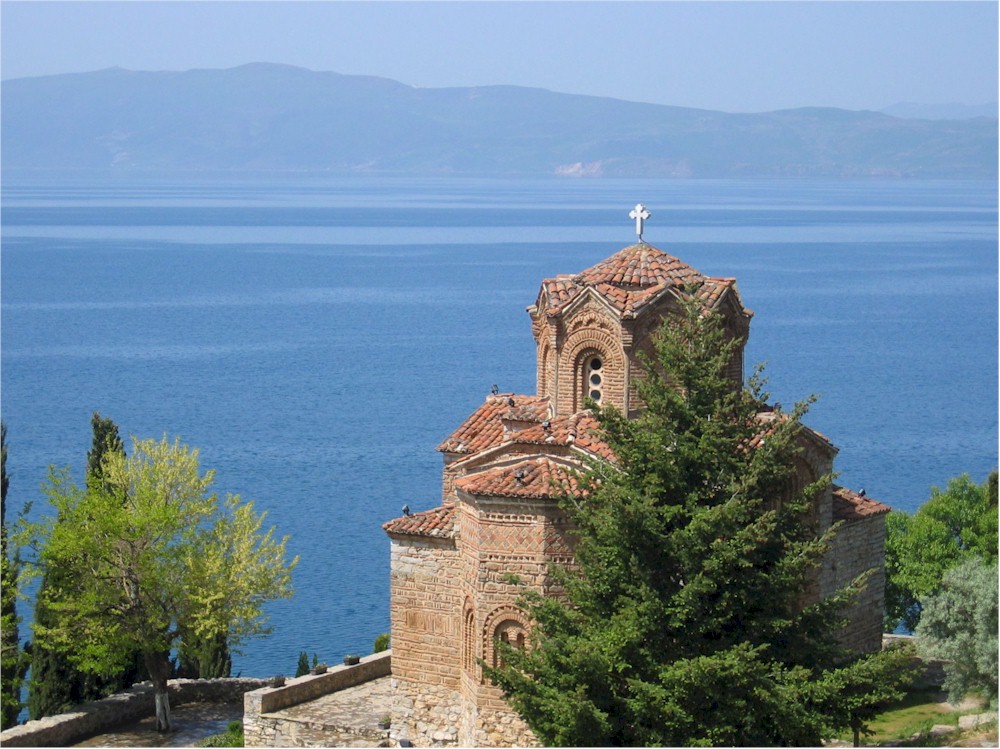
55, 685
14, 662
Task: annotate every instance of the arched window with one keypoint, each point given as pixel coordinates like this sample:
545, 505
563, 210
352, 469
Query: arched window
510, 632
592, 375
468, 639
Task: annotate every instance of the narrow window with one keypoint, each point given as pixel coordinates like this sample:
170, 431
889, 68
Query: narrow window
593, 377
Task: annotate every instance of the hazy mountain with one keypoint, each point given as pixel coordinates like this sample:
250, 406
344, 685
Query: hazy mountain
950, 111
275, 117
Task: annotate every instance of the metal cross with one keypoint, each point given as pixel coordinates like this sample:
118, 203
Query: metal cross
640, 214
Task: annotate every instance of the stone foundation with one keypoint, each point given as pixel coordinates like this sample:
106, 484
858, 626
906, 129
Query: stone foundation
425, 714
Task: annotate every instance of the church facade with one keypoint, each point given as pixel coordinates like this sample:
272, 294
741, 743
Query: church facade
450, 596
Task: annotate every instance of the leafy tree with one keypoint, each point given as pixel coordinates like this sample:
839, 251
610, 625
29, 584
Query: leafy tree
56, 684
684, 622
959, 625
954, 525
154, 558
14, 661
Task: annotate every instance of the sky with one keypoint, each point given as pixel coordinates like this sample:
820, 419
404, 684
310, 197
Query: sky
738, 56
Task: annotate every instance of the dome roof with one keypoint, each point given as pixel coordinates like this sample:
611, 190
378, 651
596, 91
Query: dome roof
630, 279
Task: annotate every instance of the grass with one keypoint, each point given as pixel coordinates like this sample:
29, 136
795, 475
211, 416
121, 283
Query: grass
915, 714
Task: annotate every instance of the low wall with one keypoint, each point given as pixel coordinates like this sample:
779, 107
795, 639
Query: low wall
261, 729
102, 716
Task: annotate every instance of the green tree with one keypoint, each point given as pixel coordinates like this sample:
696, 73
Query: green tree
959, 625
684, 623
14, 661
954, 525
303, 665
171, 562
56, 684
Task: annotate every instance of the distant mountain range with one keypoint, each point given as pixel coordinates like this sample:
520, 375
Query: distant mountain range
275, 117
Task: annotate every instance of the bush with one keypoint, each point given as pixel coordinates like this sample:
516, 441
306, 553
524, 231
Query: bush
232, 737
959, 625
381, 642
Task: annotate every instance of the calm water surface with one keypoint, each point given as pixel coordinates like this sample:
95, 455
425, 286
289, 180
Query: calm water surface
316, 339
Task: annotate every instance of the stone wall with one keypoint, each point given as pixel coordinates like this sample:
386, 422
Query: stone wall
859, 547
262, 728
92, 718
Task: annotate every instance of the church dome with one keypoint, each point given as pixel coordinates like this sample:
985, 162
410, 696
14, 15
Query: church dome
630, 279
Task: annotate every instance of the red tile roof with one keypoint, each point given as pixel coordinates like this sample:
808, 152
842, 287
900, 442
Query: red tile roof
486, 426
580, 429
634, 276
849, 505
437, 523
539, 477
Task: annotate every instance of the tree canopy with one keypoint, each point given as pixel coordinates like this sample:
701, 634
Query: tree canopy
13, 660
687, 620
56, 684
153, 558
959, 626
953, 526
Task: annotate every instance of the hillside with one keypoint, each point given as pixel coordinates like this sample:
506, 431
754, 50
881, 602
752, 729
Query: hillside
275, 117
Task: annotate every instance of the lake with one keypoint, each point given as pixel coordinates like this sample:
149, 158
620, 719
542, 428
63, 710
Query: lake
317, 338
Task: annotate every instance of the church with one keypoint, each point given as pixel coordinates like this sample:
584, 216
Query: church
507, 464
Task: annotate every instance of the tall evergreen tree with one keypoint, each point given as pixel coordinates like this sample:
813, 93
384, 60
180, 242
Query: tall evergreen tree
14, 661
56, 685
684, 622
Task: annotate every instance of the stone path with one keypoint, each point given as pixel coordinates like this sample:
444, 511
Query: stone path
349, 718
193, 722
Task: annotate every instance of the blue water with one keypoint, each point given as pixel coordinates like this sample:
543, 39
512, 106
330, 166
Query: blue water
316, 339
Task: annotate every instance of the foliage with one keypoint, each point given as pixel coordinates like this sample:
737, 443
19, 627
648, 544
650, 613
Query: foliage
232, 737
952, 526
959, 625
381, 643
303, 666
861, 690
13, 660
56, 684
154, 559
684, 623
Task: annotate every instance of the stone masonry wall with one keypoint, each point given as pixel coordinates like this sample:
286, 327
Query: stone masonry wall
262, 729
425, 611
859, 546
92, 718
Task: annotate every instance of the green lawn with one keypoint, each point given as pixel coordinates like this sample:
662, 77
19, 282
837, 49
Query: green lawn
915, 714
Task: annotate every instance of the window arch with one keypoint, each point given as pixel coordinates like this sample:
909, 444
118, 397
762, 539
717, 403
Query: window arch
468, 637
509, 625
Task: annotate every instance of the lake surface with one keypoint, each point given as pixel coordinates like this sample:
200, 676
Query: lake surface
316, 339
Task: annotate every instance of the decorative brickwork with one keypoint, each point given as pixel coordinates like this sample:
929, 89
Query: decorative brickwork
458, 571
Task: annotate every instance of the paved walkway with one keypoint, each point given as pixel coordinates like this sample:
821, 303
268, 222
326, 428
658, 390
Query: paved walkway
349, 717
193, 722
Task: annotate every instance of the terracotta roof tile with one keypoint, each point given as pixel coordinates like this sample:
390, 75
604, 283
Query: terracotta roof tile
437, 523
849, 505
539, 477
580, 429
489, 424
631, 278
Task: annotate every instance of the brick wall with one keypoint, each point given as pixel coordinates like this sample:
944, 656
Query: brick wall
859, 546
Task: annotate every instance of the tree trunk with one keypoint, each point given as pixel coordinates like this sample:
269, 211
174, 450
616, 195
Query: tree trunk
159, 671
